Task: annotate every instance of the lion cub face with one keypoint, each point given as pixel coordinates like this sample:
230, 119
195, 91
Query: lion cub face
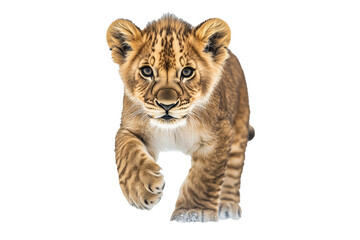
169, 68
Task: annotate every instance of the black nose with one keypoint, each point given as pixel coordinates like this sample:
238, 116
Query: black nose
167, 107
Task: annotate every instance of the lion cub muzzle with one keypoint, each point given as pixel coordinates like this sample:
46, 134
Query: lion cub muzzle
167, 99
167, 96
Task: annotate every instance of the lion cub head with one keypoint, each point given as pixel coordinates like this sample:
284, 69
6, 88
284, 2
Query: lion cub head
170, 67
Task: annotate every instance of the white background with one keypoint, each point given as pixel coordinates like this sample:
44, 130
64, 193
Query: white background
61, 100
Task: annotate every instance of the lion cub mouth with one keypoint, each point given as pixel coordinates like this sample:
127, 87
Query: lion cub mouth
167, 117
168, 121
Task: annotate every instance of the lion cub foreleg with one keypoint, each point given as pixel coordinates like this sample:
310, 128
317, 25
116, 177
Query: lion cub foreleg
200, 193
139, 176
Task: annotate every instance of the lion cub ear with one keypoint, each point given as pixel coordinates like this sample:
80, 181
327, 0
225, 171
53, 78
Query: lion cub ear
215, 34
121, 37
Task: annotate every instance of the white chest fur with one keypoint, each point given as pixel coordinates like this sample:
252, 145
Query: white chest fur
185, 139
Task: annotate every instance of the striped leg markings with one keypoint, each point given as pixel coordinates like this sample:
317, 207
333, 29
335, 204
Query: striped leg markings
230, 195
139, 176
199, 196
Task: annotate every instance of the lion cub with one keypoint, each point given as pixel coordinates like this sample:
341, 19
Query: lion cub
184, 90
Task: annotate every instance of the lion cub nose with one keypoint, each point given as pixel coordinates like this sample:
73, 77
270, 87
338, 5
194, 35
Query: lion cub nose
167, 98
167, 107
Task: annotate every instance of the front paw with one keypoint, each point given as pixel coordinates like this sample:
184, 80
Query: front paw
194, 215
229, 209
144, 186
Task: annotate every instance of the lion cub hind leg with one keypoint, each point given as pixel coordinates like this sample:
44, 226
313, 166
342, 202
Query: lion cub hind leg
230, 195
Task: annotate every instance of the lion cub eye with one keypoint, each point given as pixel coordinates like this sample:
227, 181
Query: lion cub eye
146, 72
187, 72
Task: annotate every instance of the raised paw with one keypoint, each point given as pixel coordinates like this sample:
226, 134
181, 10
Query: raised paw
144, 186
229, 210
194, 215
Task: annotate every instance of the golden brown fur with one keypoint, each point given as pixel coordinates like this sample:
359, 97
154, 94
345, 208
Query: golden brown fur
204, 114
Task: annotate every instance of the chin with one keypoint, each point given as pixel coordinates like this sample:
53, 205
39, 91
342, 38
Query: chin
168, 124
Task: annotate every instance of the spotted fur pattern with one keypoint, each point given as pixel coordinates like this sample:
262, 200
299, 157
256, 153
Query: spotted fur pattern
205, 114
